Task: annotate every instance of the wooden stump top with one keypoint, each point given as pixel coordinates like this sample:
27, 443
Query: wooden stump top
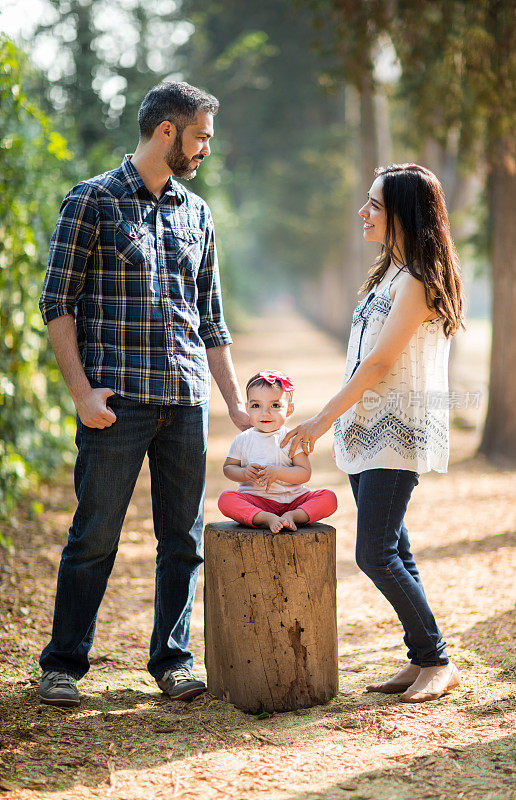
236, 527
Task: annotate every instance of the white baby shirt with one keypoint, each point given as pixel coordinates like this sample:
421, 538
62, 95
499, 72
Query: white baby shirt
254, 447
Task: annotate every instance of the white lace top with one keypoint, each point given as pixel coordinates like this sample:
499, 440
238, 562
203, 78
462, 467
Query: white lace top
403, 423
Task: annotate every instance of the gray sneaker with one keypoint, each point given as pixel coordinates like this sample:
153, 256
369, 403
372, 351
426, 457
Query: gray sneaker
181, 684
58, 689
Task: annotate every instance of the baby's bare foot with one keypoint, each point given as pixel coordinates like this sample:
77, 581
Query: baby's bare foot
288, 520
293, 518
266, 519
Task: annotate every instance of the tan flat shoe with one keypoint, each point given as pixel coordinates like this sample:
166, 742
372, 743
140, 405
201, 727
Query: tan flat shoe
424, 697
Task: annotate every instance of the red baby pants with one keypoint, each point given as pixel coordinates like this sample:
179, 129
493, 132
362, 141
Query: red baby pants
243, 507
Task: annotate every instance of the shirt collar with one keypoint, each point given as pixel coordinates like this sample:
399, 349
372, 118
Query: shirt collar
266, 434
133, 181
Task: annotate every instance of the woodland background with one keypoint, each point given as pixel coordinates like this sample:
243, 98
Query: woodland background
314, 95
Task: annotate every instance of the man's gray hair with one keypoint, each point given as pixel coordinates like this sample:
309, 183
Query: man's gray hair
175, 101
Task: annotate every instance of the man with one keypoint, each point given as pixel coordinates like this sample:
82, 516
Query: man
132, 303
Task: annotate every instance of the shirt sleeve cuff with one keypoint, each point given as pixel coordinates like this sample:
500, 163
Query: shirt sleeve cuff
57, 310
215, 336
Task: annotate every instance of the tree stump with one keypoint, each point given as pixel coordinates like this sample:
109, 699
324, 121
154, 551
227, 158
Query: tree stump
270, 616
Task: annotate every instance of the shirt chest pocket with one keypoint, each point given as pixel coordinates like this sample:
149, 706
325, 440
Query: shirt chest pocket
131, 242
189, 245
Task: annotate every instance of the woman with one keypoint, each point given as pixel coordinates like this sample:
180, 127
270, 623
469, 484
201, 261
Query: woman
387, 436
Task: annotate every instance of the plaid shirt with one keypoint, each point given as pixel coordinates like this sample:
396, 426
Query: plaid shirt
141, 277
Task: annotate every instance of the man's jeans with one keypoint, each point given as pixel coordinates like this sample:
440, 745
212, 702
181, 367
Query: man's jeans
383, 553
107, 466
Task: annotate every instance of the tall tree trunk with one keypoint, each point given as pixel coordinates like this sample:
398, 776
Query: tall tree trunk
366, 109
499, 437
84, 98
383, 128
361, 254
339, 284
460, 191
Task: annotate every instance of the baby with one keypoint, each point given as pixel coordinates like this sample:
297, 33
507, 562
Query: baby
271, 491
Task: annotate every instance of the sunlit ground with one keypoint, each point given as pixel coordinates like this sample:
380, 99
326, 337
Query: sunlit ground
129, 741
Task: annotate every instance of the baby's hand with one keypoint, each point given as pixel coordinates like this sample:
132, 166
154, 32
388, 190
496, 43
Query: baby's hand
252, 473
267, 476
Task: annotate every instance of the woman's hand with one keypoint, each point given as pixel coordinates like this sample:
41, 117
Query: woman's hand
306, 434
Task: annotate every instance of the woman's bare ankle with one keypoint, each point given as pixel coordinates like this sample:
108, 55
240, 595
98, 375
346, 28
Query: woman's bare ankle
410, 671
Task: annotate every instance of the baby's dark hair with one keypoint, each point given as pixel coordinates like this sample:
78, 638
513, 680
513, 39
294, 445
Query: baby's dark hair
260, 381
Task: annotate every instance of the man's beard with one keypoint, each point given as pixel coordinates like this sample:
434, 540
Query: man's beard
180, 164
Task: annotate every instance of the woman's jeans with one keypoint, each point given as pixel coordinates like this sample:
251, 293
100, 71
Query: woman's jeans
107, 466
383, 553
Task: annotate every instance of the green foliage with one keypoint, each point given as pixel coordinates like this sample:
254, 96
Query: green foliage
109, 56
345, 32
266, 715
278, 179
457, 59
33, 413
250, 47
464, 52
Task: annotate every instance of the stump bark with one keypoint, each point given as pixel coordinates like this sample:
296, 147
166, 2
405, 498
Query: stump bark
270, 616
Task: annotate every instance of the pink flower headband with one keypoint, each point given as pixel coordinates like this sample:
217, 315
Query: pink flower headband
272, 377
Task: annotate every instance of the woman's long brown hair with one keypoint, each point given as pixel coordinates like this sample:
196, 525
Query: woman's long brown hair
414, 197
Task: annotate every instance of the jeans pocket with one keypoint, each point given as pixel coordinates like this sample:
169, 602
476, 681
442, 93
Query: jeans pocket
119, 403
115, 401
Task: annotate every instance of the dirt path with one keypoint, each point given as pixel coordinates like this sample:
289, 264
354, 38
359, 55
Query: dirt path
129, 741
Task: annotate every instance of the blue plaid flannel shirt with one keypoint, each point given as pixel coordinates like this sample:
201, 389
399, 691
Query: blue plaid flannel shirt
141, 277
